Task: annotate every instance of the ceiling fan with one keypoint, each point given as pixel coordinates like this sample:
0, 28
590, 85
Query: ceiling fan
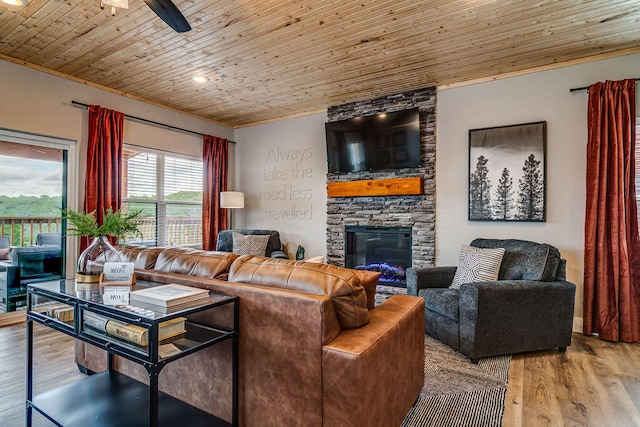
165, 9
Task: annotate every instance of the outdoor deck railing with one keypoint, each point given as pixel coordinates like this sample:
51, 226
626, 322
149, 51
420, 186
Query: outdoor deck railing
22, 231
179, 231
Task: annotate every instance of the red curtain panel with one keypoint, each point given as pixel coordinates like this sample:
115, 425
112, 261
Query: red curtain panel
104, 163
215, 167
612, 245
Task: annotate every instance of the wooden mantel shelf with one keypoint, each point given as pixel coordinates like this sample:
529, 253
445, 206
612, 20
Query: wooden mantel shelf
376, 187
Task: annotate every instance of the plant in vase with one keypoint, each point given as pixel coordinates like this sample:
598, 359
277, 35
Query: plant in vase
117, 224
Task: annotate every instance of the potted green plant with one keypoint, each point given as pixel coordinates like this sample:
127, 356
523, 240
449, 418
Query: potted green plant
117, 224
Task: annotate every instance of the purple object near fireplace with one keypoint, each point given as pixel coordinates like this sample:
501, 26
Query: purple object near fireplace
383, 249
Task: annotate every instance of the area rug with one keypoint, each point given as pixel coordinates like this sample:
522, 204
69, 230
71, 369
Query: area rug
458, 393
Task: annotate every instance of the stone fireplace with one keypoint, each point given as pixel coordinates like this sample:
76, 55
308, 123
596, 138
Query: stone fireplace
414, 212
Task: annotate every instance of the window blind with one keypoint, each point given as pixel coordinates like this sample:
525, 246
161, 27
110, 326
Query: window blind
169, 190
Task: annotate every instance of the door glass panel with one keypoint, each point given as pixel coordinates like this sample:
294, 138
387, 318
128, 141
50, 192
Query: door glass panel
31, 196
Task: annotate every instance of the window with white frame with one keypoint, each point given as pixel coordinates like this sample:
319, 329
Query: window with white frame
168, 187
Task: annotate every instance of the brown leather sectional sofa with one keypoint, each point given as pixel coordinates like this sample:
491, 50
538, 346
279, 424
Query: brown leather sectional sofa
312, 349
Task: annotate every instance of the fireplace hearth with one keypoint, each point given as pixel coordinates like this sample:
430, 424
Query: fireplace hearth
383, 249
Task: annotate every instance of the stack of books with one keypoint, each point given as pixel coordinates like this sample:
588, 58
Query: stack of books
167, 298
62, 312
132, 333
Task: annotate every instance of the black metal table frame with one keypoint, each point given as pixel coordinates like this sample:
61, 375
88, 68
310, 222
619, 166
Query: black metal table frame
151, 363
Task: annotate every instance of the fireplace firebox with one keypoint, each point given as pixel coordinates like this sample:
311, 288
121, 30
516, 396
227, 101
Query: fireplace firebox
383, 249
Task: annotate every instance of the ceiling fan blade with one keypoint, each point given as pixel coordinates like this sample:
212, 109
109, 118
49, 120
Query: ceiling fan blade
169, 13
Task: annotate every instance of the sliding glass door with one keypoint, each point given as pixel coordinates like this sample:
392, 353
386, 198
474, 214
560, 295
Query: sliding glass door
33, 183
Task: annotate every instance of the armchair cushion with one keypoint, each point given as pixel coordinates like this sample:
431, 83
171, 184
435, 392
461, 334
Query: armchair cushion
443, 301
477, 265
524, 260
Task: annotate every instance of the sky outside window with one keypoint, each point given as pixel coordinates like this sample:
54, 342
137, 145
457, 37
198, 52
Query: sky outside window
30, 177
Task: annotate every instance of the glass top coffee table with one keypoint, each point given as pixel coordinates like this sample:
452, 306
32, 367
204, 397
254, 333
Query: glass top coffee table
105, 398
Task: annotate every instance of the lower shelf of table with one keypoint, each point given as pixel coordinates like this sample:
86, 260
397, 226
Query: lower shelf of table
113, 399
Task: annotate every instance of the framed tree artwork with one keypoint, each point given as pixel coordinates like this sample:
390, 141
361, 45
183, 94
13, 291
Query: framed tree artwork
507, 173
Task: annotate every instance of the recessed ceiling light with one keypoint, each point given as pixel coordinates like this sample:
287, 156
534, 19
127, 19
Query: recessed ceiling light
200, 79
16, 2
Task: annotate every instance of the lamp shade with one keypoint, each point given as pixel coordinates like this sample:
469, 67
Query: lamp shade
231, 199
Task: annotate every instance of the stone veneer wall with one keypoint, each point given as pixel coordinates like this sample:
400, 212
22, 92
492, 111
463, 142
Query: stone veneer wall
417, 212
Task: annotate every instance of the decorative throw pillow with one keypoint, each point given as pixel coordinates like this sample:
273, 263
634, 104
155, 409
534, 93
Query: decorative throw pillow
477, 265
5, 253
250, 244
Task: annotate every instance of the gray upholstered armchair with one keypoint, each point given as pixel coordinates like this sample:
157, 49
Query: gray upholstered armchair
529, 307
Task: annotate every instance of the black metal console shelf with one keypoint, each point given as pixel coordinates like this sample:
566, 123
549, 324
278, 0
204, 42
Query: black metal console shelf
110, 398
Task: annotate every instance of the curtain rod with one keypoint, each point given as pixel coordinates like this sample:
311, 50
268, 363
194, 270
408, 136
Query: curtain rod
150, 122
578, 89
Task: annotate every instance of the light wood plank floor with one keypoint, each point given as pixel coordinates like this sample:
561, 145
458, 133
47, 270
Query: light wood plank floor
53, 366
595, 383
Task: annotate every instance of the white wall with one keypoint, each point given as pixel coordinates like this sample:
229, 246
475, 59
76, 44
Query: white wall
282, 170
40, 103
529, 98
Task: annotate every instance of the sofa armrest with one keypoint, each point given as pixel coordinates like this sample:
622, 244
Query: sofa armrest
519, 315
380, 362
428, 277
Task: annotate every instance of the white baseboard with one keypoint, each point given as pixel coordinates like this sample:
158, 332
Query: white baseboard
577, 324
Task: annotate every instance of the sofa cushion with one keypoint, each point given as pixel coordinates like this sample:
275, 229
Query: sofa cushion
244, 244
443, 301
369, 281
5, 253
524, 260
341, 284
477, 265
194, 262
141, 256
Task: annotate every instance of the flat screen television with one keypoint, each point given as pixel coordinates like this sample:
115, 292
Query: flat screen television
369, 143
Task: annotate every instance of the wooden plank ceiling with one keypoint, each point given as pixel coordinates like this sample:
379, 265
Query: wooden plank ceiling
268, 59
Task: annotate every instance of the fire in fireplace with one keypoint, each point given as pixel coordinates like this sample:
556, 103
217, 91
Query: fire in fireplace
383, 249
